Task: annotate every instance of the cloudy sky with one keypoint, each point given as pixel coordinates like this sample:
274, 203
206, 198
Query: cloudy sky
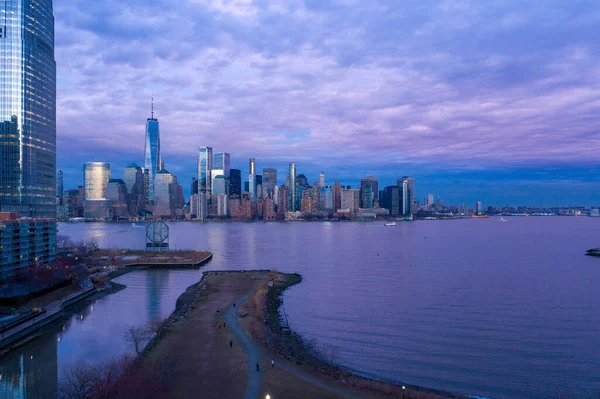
495, 100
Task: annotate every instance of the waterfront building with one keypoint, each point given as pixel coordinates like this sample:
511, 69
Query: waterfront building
322, 180
429, 199
594, 212
292, 187
96, 177
199, 206
152, 160
220, 185
71, 204
27, 109
134, 184
283, 201
478, 208
369, 188
235, 182
326, 199
269, 180
268, 209
25, 241
276, 196
220, 167
222, 205
315, 194
116, 193
59, 187
347, 200
247, 187
306, 204
301, 181
391, 200
205, 158
162, 198
337, 195
409, 204
252, 178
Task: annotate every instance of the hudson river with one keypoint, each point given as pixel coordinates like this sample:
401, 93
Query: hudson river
480, 307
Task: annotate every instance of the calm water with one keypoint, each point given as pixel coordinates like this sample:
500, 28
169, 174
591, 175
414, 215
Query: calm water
479, 307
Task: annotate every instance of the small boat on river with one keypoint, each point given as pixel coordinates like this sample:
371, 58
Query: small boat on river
391, 224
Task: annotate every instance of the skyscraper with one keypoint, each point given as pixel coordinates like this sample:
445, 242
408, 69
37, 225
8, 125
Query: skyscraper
252, 178
152, 152
27, 109
369, 191
408, 203
205, 158
59, 187
292, 187
96, 176
235, 182
220, 167
269, 180
322, 180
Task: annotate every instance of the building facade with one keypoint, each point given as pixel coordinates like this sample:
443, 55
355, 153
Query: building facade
235, 182
205, 158
292, 188
252, 178
152, 160
116, 193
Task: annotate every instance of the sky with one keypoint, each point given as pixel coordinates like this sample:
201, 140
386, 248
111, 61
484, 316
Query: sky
496, 100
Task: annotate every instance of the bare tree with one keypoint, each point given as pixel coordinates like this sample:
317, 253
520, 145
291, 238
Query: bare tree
136, 336
156, 327
77, 383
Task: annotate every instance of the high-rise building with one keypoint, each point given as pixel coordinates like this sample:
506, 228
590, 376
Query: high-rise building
205, 158
199, 206
222, 205
252, 178
269, 180
292, 187
220, 185
116, 192
315, 193
194, 186
235, 182
326, 199
322, 180
347, 200
152, 152
276, 196
59, 187
478, 208
95, 178
283, 200
337, 196
27, 109
369, 189
408, 201
136, 191
221, 166
391, 200
162, 198
429, 199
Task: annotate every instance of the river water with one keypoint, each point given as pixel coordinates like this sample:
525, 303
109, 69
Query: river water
480, 307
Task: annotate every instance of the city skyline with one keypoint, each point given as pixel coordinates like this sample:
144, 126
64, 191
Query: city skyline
476, 102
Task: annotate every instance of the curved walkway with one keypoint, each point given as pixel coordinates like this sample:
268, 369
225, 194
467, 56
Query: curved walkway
254, 354
253, 384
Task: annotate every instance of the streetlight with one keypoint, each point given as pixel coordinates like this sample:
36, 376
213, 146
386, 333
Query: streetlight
268, 396
403, 389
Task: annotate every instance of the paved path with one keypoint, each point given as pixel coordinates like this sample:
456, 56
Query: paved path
253, 384
254, 355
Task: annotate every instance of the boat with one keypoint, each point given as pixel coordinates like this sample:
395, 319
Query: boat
390, 224
479, 216
503, 220
133, 224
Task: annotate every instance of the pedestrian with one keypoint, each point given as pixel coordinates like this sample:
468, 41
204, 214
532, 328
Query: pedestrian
230, 343
273, 363
257, 367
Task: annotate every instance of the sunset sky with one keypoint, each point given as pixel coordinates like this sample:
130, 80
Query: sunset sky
495, 100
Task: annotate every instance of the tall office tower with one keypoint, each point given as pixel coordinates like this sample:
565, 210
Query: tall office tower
247, 187
199, 206
162, 199
130, 175
116, 192
292, 187
59, 187
283, 200
392, 199
316, 202
95, 178
252, 178
326, 199
220, 185
322, 180
28, 109
373, 185
301, 181
205, 158
194, 186
221, 166
258, 186
276, 196
347, 200
429, 199
235, 182
134, 183
407, 198
152, 152
269, 180
222, 205
478, 208
337, 196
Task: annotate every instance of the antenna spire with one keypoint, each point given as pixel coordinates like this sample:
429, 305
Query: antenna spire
152, 107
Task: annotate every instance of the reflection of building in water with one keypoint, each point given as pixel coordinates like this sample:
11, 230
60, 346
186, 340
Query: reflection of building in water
155, 280
30, 371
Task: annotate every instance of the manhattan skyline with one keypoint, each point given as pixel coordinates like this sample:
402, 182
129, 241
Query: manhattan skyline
476, 102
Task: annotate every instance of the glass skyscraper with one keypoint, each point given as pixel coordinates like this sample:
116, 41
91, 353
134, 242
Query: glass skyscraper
221, 166
152, 153
27, 108
205, 158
